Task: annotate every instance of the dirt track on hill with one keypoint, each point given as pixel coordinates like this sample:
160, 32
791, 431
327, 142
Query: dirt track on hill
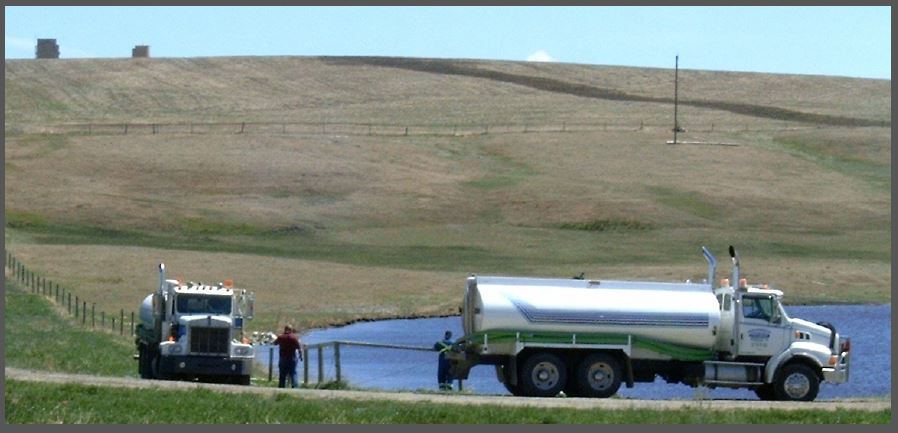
586, 91
408, 397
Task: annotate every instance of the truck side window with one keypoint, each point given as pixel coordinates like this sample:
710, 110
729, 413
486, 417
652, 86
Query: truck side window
757, 308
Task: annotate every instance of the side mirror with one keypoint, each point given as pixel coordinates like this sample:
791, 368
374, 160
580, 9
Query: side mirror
245, 303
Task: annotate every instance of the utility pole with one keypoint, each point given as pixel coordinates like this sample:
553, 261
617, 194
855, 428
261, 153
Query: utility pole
676, 127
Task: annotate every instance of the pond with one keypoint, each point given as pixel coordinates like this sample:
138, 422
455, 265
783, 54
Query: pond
869, 327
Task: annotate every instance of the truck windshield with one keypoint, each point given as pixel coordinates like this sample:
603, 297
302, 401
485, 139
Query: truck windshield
203, 304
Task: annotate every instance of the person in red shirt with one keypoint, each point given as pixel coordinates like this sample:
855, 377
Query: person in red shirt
290, 352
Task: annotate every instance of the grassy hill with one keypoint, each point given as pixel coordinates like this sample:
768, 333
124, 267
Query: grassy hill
332, 226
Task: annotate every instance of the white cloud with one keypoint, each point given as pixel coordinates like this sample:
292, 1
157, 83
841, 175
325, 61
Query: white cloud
541, 56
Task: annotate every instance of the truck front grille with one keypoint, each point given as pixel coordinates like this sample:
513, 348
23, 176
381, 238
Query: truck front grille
209, 341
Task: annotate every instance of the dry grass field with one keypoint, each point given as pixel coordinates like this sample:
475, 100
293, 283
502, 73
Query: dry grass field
331, 227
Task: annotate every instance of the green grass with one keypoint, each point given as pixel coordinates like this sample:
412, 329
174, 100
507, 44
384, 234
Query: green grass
37, 338
604, 225
858, 157
35, 403
686, 201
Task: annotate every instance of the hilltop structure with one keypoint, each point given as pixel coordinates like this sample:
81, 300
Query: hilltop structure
46, 49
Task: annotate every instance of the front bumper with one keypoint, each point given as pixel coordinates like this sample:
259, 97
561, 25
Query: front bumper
205, 365
839, 373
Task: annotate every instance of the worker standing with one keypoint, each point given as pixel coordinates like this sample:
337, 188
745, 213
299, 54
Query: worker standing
290, 351
444, 378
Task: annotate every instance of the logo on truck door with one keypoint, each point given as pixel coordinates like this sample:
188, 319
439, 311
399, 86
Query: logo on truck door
759, 335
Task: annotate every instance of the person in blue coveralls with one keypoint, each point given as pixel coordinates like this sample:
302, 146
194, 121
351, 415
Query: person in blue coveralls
444, 378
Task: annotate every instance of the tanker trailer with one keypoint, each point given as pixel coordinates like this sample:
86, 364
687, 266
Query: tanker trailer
587, 337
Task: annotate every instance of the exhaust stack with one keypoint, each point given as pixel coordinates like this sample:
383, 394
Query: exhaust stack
712, 265
161, 289
735, 256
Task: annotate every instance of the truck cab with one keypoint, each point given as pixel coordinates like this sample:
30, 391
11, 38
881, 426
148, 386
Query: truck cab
195, 331
792, 356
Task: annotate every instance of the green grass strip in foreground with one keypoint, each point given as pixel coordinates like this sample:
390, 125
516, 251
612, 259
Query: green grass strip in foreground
28, 402
37, 338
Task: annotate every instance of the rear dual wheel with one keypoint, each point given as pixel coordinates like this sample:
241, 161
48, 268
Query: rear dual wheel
543, 375
598, 376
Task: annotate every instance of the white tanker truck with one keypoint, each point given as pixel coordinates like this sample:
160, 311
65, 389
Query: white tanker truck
586, 337
195, 331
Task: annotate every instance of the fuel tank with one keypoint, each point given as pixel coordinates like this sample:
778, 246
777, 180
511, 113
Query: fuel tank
680, 313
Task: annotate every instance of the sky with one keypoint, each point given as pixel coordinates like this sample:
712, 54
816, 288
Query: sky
837, 40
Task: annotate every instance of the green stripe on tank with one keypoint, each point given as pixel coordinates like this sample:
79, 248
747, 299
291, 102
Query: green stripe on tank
675, 351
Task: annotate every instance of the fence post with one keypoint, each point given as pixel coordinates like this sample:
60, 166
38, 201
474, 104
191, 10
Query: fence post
93, 317
320, 365
132, 323
270, 362
406, 131
76, 307
126, 129
84, 312
103, 319
57, 293
337, 359
242, 127
113, 323
121, 324
305, 365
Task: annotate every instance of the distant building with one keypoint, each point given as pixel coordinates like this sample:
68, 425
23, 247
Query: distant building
140, 51
46, 49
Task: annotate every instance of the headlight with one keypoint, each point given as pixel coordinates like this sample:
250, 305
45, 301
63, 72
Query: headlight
243, 351
175, 349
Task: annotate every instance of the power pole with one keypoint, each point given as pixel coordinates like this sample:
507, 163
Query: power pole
676, 127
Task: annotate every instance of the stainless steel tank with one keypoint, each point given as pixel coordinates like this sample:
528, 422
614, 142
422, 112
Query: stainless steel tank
685, 314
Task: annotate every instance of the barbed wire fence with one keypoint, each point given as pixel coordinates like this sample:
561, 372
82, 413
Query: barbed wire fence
73, 304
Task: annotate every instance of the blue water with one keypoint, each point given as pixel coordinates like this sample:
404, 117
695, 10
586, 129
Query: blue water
869, 327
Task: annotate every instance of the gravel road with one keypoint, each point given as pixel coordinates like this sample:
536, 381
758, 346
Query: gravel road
574, 403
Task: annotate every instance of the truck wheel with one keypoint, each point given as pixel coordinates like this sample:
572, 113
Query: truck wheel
142, 362
599, 375
155, 366
543, 375
241, 380
797, 382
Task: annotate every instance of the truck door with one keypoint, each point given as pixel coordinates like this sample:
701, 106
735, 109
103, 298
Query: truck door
762, 329
725, 341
